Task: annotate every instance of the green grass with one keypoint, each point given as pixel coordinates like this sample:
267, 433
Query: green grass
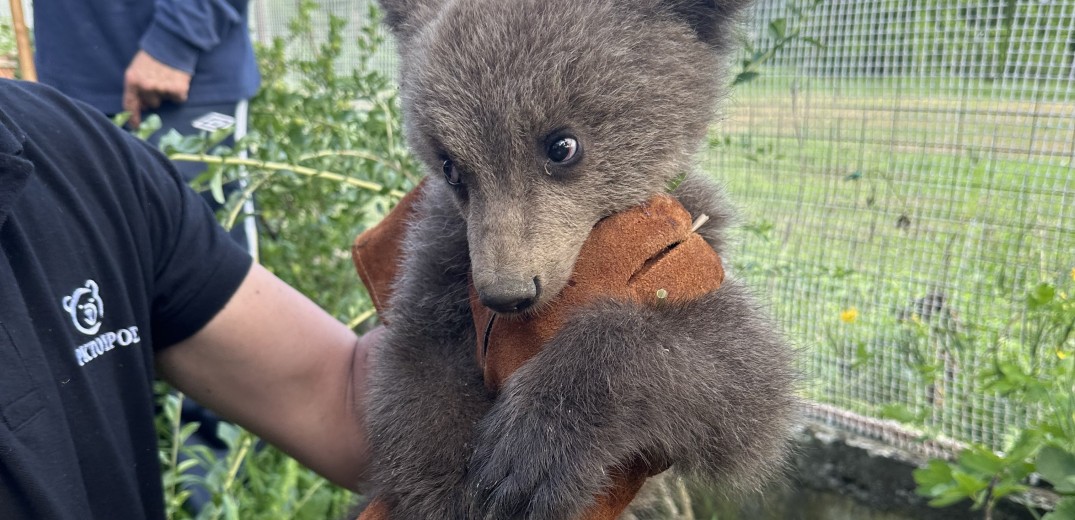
919, 87
854, 196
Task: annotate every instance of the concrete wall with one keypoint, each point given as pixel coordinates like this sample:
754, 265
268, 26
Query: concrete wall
840, 477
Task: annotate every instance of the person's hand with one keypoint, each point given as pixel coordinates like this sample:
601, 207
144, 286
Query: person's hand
147, 82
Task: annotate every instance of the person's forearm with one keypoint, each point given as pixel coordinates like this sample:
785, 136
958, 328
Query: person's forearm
278, 365
343, 455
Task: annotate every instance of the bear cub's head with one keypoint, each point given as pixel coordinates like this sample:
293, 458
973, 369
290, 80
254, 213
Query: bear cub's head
540, 117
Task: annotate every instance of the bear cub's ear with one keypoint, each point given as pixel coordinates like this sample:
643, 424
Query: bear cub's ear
711, 19
405, 17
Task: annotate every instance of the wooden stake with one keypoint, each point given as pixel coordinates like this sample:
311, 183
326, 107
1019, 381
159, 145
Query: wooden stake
22, 41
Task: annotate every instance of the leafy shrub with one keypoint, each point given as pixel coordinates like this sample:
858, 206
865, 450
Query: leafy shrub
326, 159
1038, 382
7, 39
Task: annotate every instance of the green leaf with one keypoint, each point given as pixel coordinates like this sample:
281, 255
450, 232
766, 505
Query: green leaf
1023, 447
936, 474
1058, 467
778, 28
1040, 295
216, 187
187, 430
1009, 378
948, 498
969, 484
229, 433
981, 460
148, 127
121, 118
231, 508
814, 41
1003, 490
744, 77
1064, 510
899, 412
862, 354
1019, 471
185, 466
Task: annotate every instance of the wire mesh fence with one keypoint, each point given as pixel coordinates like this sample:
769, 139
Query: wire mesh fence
905, 169
271, 18
905, 173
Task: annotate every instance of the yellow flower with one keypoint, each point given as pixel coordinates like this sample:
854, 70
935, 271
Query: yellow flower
849, 315
1061, 354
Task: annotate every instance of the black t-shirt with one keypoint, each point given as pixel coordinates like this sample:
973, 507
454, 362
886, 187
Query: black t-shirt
105, 257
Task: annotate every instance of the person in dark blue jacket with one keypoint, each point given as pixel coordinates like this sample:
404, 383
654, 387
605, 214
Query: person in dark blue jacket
189, 61
136, 54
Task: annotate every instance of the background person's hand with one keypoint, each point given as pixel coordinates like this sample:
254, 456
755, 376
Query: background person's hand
147, 82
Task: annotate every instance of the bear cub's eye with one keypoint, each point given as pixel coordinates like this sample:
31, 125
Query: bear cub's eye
563, 150
451, 173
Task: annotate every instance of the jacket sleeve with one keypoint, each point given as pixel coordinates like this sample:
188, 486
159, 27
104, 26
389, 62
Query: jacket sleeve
183, 29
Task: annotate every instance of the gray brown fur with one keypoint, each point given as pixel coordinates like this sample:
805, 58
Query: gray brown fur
706, 386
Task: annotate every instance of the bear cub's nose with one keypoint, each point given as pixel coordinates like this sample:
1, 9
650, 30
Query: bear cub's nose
512, 296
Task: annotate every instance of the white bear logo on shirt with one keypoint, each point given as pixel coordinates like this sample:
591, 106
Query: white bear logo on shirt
85, 307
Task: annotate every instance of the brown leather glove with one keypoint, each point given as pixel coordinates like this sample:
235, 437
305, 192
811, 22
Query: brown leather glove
648, 254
